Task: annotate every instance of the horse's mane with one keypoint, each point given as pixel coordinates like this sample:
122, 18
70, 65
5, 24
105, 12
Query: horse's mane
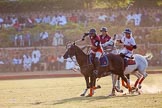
81, 49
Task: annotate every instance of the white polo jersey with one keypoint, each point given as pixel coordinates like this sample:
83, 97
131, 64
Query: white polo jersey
129, 41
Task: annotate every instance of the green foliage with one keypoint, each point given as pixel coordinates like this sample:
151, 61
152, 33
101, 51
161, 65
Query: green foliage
50, 5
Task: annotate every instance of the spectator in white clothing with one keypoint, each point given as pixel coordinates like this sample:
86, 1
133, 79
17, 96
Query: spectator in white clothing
35, 63
130, 18
27, 62
102, 18
70, 64
1, 22
58, 38
137, 19
54, 20
38, 19
62, 20
44, 38
36, 52
60, 62
46, 19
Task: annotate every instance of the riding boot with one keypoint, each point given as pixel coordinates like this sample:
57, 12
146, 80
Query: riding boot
125, 63
122, 55
97, 66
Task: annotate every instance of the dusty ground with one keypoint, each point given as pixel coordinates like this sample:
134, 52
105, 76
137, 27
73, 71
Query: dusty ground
65, 93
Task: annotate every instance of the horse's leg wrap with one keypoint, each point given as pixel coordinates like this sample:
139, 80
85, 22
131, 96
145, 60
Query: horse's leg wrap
140, 82
129, 87
123, 84
118, 84
91, 92
135, 85
85, 91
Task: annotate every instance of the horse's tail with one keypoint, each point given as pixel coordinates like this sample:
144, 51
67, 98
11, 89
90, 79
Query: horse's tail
148, 56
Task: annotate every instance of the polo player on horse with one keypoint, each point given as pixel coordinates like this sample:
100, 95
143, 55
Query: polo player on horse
129, 45
96, 49
127, 51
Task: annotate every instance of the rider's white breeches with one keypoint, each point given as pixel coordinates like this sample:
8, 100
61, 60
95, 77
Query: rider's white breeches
126, 52
97, 54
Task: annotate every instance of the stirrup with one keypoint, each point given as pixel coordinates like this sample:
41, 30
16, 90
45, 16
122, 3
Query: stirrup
131, 57
95, 72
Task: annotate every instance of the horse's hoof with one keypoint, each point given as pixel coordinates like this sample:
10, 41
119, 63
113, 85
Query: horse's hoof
136, 89
112, 94
89, 95
98, 86
82, 95
121, 91
139, 86
133, 88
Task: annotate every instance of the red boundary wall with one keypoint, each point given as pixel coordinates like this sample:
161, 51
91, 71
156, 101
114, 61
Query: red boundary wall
35, 75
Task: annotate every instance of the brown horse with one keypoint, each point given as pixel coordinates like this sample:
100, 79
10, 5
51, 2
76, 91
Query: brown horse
87, 69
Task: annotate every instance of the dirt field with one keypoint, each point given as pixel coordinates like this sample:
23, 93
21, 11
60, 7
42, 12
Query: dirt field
65, 93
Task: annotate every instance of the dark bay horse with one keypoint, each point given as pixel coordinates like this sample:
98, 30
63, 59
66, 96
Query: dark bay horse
87, 68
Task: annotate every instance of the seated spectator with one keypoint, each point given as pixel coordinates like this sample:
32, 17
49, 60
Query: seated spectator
51, 62
62, 20
54, 20
35, 63
58, 39
130, 18
36, 52
43, 39
112, 18
22, 20
102, 18
30, 22
38, 19
73, 18
16, 61
60, 62
7, 22
46, 19
17, 26
27, 62
1, 22
14, 19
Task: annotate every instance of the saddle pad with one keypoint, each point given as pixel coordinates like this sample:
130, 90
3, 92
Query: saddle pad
131, 62
103, 60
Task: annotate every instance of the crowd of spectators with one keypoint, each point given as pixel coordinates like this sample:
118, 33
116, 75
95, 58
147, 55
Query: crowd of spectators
146, 17
27, 61
44, 38
33, 59
138, 17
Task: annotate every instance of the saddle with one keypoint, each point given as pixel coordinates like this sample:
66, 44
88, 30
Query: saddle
103, 60
131, 62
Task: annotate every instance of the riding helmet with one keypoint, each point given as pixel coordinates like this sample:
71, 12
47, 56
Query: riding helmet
103, 29
92, 31
127, 30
